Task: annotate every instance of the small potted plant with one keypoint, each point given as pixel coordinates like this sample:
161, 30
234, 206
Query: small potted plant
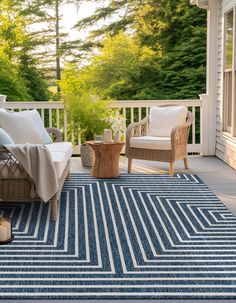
87, 117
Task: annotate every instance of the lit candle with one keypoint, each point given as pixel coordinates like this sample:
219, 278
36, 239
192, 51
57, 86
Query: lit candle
107, 136
3, 233
117, 138
7, 225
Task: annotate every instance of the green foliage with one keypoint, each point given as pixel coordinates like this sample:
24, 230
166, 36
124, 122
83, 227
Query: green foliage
11, 84
229, 39
173, 33
148, 50
34, 79
180, 40
114, 72
87, 113
20, 78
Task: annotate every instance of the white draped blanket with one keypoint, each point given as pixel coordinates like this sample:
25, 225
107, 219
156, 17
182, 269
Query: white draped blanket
37, 162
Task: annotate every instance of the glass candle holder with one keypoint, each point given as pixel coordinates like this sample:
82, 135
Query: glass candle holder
117, 137
107, 135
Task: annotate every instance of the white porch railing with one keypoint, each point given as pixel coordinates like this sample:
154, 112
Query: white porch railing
54, 114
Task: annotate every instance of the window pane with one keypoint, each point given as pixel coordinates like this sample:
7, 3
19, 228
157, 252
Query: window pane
229, 40
228, 99
229, 109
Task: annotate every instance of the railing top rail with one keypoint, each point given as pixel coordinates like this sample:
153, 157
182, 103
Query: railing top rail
114, 104
33, 104
148, 103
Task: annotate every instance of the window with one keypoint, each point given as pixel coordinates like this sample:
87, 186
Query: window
229, 74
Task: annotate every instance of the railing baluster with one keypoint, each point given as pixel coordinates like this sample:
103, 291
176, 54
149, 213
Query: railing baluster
43, 116
139, 114
58, 118
72, 137
65, 125
124, 114
201, 128
193, 126
132, 114
50, 117
79, 140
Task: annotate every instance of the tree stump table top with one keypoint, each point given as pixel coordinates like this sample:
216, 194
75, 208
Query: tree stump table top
106, 164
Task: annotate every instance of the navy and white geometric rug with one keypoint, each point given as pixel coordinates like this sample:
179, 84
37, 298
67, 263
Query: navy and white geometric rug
133, 237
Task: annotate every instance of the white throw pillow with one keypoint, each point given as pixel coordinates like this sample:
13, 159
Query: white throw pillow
21, 127
40, 127
5, 139
164, 119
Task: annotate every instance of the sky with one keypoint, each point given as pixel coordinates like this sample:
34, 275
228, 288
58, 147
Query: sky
71, 14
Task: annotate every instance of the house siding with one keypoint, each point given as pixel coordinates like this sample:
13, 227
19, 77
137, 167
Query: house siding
225, 144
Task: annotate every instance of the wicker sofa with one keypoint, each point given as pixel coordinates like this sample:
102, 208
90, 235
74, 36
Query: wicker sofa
176, 144
17, 186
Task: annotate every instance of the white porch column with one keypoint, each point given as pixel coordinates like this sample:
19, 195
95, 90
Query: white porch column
206, 136
208, 127
3, 99
209, 109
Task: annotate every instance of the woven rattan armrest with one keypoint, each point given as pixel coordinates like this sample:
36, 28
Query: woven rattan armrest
10, 168
137, 129
179, 134
57, 136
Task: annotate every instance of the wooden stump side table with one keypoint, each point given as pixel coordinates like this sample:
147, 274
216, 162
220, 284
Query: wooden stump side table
106, 164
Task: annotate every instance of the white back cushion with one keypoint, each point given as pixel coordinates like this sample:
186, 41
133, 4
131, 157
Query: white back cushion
164, 119
40, 127
21, 127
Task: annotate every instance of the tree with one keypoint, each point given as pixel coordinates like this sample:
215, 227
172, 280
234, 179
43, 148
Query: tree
173, 30
18, 82
177, 33
114, 71
50, 42
33, 77
11, 83
12, 36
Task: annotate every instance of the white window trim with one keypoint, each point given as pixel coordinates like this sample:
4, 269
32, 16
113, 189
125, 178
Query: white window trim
225, 128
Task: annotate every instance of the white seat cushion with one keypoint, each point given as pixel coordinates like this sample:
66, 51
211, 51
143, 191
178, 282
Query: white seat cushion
60, 160
151, 142
164, 119
61, 153
65, 147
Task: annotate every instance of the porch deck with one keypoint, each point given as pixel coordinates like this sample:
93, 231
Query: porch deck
217, 175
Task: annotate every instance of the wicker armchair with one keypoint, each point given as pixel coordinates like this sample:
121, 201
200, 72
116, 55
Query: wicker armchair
17, 186
178, 138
